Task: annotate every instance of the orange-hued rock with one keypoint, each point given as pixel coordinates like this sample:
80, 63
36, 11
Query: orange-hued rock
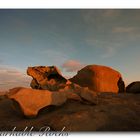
99, 78
50, 78
32, 100
85, 93
115, 112
47, 77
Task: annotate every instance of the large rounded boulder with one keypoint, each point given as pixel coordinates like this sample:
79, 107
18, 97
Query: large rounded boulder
134, 87
99, 78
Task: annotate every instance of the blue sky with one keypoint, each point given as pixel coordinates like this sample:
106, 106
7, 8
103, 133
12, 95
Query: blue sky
69, 39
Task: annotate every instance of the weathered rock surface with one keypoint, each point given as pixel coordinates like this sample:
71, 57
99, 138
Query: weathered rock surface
47, 77
30, 101
134, 87
50, 78
82, 92
99, 78
114, 112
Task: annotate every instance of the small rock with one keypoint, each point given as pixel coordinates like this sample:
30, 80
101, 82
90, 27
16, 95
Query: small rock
134, 87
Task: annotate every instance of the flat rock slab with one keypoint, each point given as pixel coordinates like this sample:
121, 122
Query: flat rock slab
113, 113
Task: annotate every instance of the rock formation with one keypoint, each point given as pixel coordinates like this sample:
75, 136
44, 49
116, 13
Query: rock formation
114, 112
50, 78
82, 92
58, 102
134, 87
99, 78
30, 101
51, 88
47, 77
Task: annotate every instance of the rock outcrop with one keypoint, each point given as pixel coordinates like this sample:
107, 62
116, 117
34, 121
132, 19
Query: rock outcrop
99, 78
50, 78
83, 93
134, 87
47, 77
30, 101
114, 112
57, 102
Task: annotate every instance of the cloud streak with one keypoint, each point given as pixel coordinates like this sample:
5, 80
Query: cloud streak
72, 66
109, 52
107, 48
11, 77
111, 13
124, 29
54, 55
93, 16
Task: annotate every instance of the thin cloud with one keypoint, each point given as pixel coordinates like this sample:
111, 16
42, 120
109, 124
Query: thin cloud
109, 49
111, 13
92, 16
109, 52
124, 29
19, 24
131, 33
54, 55
72, 66
10, 78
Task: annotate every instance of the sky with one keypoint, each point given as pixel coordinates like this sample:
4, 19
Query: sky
68, 39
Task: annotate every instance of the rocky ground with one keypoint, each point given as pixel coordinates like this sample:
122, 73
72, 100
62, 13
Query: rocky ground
83, 108
114, 112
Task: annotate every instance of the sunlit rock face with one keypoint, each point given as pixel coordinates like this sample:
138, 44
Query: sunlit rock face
50, 78
114, 112
99, 78
49, 87
134, 87
29, 101
47, 77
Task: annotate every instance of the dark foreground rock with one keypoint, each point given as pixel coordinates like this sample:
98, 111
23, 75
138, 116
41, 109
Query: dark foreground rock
113, 113
134, 87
